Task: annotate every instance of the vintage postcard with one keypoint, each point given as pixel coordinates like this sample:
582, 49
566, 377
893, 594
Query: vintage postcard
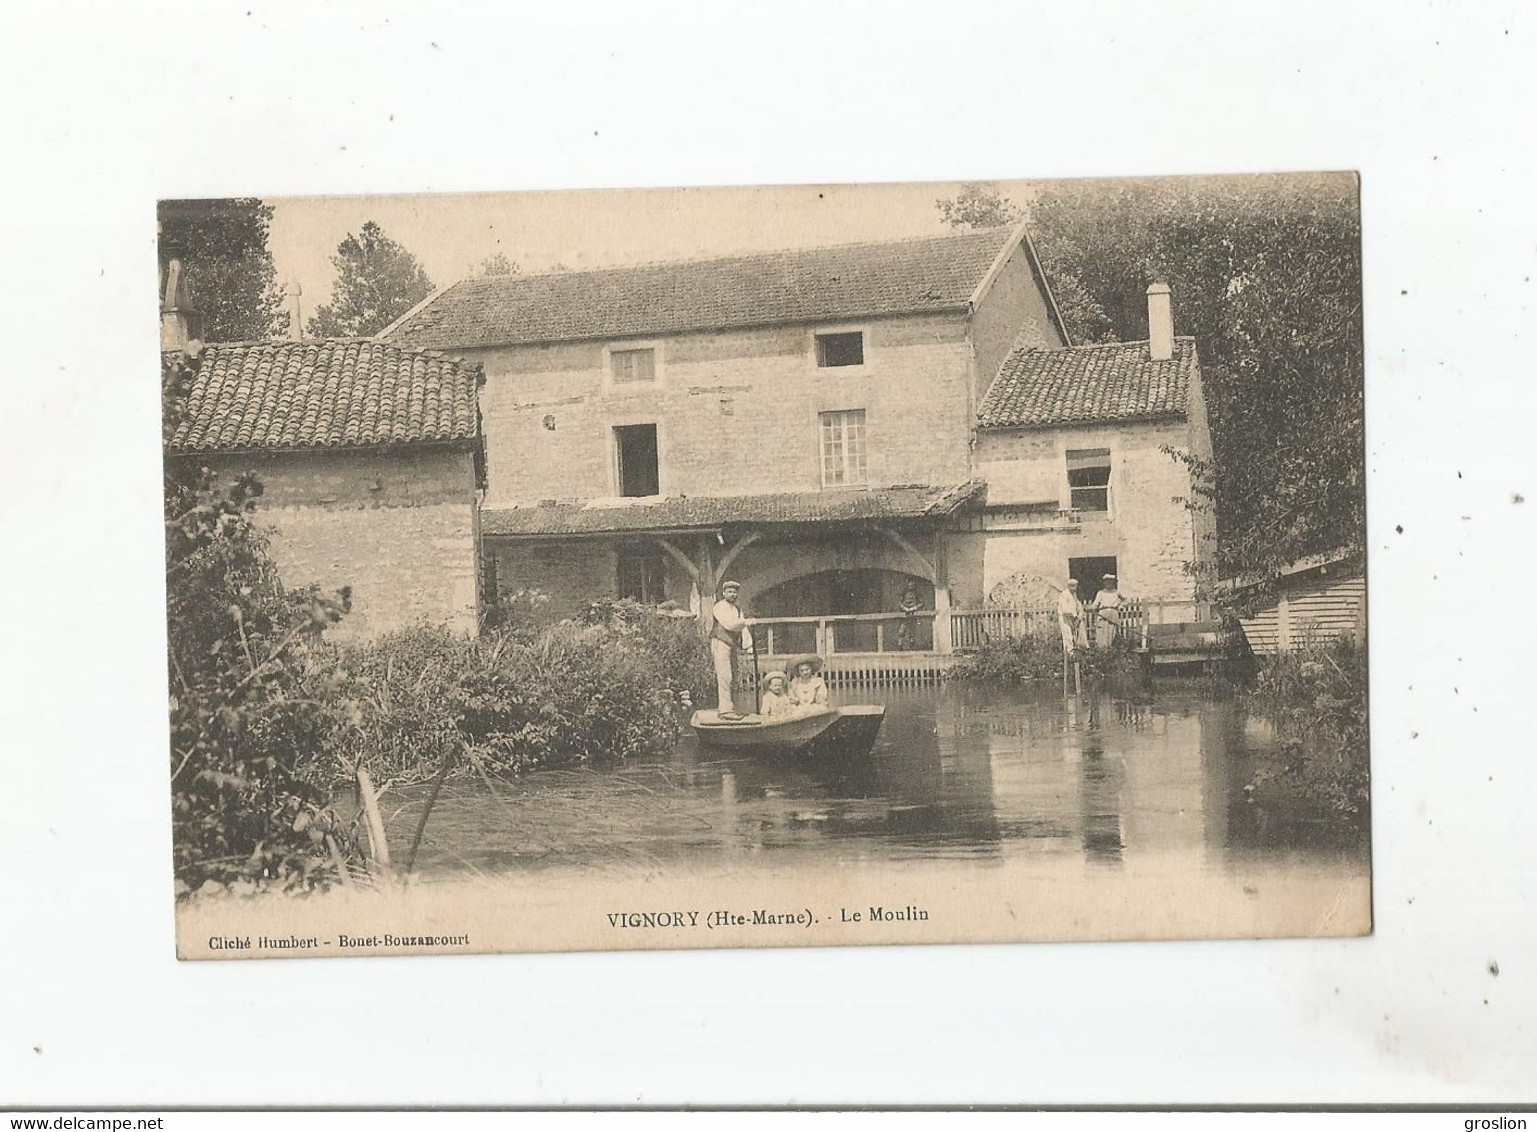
810, 565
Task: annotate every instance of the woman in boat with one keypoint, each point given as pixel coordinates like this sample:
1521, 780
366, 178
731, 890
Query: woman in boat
775, 701
808, 689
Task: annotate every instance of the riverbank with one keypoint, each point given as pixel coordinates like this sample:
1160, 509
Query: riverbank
1317, 700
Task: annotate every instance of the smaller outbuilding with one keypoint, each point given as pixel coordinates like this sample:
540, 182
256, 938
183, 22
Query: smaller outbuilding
1313, 601
372, 464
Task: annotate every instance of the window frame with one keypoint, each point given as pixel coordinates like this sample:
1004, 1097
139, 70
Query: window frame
864, 448
615, 464
658, 366
1108, 487
818, 332
623, 556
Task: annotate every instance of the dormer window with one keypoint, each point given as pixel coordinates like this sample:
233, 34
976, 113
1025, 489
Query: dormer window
632, 367
845, 348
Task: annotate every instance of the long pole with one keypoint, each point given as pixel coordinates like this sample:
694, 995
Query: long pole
757, 682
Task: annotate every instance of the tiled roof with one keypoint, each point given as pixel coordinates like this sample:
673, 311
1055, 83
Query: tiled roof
1084, 384
681, 512
769, 288
330, 393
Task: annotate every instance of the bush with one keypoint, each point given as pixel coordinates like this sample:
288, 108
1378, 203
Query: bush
254, 702
1316, 698
405, 685
573, 693
1033, 657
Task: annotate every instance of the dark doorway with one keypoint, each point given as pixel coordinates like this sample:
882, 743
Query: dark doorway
1089, 573
642, 577
635, 449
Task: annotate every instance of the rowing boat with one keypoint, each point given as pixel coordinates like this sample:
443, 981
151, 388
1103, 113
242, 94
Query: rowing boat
787, 732
823, 732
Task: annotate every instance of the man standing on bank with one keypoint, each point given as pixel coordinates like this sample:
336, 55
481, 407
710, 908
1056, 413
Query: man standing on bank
730, 628
1069, 615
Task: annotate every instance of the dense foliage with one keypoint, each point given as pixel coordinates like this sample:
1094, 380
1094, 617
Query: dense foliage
230, 275
1316, 698
512, 701
377, 281
1038, 656
1266, 274
254, 701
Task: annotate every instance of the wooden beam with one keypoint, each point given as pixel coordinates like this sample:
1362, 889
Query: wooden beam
687, 562
698, 602
929, 571
740, 545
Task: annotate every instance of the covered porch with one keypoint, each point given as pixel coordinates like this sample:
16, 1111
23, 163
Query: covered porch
862, 578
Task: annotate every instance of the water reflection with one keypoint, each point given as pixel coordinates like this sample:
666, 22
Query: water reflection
1108, 778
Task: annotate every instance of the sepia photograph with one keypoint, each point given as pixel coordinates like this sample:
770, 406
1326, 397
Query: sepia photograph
955, 562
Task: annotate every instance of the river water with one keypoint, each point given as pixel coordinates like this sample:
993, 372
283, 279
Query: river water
959, 773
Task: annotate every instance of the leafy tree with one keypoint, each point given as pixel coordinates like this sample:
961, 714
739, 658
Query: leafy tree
979, 204
230, 274
256, 702
497, 264
377, 281
1266, 274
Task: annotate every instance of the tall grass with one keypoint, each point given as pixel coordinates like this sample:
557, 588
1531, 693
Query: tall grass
566, 694
1038, 657
1317, 699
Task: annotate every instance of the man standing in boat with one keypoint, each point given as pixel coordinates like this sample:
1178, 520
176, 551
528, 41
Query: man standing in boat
730, 629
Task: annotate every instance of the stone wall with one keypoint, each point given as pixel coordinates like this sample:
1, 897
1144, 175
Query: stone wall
1013, 313
737, 412
399, 528
1151, 535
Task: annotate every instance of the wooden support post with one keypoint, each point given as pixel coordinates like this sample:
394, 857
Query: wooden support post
706, 585
944, 636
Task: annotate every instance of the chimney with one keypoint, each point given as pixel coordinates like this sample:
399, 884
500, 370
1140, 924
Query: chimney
1160, 323
180, 325
291, 295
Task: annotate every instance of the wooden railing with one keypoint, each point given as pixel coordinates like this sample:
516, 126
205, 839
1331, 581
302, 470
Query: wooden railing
1132, 619
846, 633
868, 633
973, 628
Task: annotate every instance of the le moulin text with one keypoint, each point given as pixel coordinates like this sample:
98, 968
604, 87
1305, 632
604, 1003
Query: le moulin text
763, 917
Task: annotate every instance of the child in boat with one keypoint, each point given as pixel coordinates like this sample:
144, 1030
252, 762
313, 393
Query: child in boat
774, 701
808, 690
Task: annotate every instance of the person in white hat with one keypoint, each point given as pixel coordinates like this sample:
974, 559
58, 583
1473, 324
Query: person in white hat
1106, 611
1069, 615
730, 629
775, 700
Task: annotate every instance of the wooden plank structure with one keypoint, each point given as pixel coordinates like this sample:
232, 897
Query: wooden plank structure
1314, 605
871, 669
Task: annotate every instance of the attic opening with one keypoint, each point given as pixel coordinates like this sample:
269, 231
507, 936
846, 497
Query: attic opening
635, 455
844, 349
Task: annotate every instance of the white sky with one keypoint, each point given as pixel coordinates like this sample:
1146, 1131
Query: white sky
451, 233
